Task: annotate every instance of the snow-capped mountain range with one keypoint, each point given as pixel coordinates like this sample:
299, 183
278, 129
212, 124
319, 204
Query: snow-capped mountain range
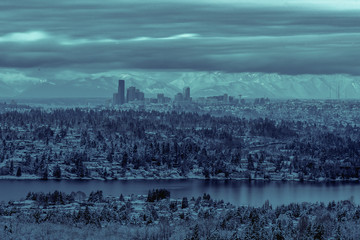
248, 85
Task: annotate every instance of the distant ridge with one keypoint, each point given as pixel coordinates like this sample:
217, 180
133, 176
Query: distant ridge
249, 85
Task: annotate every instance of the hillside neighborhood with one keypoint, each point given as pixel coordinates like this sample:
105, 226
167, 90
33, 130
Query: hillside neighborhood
300, 140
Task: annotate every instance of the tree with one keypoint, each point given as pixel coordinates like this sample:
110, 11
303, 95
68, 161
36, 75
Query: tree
250, 160
184, 203
124, 161
96, 196
206, 172
87, 215
11, 167
195, 233
57, 171
109, 157
27, 160
121, 198
158, 194
18, 172
319, 231
45, 174
303, 225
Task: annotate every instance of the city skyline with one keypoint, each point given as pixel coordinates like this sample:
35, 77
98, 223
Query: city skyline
202, 84
99, 39
134, 94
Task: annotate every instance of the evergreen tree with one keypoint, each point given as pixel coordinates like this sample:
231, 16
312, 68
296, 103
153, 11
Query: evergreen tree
124, 161
195, 235
18, 172
45, 174
11, 167
57, 171
250, 160
184, 203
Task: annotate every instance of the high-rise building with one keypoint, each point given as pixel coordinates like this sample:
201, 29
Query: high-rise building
179, 97
130, 94
140, 96
119, 97
115, 98
161, 98
133, 94
226, 97
121, 92
186, 93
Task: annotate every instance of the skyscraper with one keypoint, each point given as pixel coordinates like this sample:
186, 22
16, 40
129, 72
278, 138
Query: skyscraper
131, 94
121, 92
115, 98
140, 96
186, 93
119, 97
160, 98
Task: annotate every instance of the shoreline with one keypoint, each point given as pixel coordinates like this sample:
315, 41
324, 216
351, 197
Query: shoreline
31, 177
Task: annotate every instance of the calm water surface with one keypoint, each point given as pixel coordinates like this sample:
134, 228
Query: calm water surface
237, 192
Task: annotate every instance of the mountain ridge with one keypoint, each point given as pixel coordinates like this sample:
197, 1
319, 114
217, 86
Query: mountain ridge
249, 85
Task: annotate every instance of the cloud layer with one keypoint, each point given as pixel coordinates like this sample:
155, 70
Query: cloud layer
286, 37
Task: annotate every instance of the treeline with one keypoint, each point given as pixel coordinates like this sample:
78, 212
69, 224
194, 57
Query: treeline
158, 194
40, 125
61, 198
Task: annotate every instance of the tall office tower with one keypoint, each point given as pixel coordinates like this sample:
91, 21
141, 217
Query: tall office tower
115, 98
131, 94
121, 92
137, 94
161, 98
140, 96
186, 93
226, 97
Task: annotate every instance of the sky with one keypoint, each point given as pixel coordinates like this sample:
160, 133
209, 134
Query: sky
289, 37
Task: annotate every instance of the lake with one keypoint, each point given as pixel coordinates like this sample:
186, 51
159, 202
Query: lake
253, 193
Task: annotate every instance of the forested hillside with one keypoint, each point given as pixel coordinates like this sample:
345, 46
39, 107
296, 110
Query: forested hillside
113, 144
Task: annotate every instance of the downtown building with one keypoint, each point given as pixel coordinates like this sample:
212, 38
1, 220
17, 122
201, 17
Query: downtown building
132, 94
184, 96
119, 97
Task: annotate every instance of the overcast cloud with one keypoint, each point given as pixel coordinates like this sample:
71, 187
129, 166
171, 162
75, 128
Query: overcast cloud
285, 37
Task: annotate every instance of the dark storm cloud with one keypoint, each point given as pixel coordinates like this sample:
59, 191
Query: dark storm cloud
108, 35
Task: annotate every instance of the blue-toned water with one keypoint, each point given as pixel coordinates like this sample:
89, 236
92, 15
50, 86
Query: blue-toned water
253, 193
